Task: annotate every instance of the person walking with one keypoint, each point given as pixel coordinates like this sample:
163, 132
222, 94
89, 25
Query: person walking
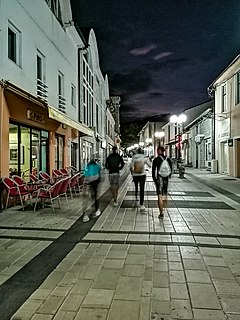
161, 172
114, 163
92, 175
137, 168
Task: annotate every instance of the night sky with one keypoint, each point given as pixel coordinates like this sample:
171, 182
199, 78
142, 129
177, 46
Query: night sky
161, 55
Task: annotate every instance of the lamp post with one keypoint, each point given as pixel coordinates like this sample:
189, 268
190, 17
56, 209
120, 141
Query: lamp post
178, 121
159, 135
148, 142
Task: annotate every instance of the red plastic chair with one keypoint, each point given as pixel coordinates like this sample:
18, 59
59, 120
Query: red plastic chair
33, 178
82, 183
22, 185
65, 172
51, 193
57, 173
15, 190
64, 188
45, 176
73, 184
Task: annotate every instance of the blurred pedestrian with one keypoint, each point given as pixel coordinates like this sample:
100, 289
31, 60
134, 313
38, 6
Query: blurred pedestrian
114, 163
137, 168
92, 175
161, 172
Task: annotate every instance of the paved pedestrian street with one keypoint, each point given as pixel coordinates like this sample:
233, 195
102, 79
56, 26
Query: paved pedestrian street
127, 264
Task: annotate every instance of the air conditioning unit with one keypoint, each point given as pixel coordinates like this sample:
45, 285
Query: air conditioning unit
199, 138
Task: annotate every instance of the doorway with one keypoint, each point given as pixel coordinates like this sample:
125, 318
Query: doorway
224, 157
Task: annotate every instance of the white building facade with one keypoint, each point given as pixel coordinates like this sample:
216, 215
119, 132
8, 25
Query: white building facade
226, 91
53, 94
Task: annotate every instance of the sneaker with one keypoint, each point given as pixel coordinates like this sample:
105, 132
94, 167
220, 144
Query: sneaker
115, 204
161, 216
85, 218
142, 207
97, 213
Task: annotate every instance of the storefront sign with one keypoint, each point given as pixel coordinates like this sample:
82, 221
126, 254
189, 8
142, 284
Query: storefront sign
34, 116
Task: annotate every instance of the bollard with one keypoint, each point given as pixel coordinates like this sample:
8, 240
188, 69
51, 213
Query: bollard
181, 171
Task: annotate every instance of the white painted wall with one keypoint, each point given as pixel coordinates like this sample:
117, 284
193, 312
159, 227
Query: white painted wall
39, 30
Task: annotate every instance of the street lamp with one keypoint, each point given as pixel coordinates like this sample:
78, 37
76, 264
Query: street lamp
178, 121
159, 135
148, 142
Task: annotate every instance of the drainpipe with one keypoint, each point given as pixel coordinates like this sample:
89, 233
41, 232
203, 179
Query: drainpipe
83, 49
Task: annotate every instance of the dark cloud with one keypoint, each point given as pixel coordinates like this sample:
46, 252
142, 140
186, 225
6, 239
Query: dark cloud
160, 56
133, 82
155, 94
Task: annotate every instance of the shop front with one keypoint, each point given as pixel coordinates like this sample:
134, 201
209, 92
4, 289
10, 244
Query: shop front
28, 150
34, 136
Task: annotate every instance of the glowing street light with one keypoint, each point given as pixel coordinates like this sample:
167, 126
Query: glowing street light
159, 135
178, 120
148, 140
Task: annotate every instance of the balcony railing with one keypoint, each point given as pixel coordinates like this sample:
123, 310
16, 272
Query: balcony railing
42, 90
61, 104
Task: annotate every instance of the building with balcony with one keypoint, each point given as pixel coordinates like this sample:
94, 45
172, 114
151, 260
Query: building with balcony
39, 100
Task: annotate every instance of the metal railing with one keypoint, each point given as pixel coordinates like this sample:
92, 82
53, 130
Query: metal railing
42, 90
61, 104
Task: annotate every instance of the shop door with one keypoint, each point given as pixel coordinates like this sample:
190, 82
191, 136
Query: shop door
224, 157
25, 152
44, 151
35, 148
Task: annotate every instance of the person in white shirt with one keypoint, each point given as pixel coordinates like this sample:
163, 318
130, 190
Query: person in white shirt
137, 168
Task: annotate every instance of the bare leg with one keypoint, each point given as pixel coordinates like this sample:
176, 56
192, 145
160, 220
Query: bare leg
160, 204
115, 194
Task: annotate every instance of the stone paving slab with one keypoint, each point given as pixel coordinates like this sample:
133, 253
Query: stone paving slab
121, 269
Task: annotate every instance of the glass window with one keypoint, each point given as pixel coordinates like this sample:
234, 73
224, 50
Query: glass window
41, 66
224, 98
73, 96
14, 43
60, 84
54, 5
28, 150
74, 154
61, 99
59, 151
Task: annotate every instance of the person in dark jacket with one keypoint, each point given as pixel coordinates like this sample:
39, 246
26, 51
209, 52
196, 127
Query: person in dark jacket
114, 163
160, 181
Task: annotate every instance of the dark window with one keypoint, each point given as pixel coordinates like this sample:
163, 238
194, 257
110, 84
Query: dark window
39, 68
12, 45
